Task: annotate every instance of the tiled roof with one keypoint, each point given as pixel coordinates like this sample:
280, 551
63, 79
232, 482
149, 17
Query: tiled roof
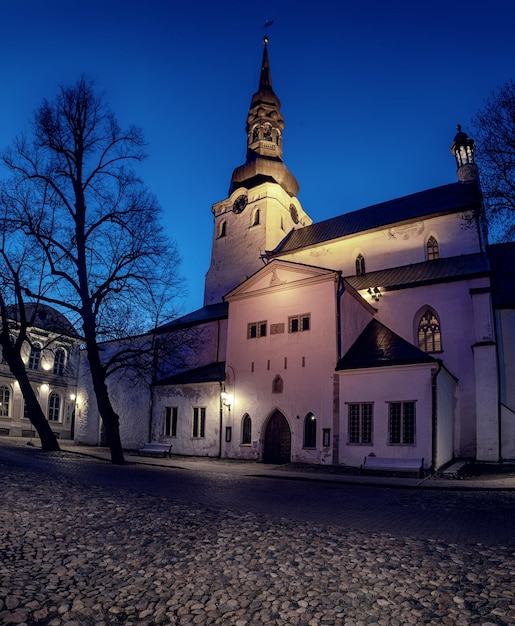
446, 199
209, 313
211, 373
502, 260
378, 346
440, 270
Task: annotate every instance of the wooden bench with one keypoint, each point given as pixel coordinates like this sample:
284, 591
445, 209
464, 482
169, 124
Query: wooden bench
393, 464
156, 449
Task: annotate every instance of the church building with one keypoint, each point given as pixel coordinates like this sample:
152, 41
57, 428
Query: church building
388, 331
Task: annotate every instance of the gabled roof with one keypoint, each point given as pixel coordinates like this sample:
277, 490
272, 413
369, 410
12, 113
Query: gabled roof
425, 273
378, 346
209, 313
502, 261
450, 198
211, 373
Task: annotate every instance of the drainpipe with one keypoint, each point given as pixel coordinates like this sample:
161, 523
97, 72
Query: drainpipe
339, 294
434, 415
221, 412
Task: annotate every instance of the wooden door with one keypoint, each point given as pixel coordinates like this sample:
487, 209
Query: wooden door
277, 440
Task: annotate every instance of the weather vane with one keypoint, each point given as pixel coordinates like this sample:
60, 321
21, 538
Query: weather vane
267, 25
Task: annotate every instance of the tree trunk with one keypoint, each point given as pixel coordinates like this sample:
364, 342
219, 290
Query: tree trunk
35, 413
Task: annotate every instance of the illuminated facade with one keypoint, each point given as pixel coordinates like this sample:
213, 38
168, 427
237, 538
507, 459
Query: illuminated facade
386, 331
51, 357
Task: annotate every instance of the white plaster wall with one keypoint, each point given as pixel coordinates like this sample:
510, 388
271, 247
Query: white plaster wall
381, 385
185, 397
508, 433
355, 315
487, 403
446, 390
307, 374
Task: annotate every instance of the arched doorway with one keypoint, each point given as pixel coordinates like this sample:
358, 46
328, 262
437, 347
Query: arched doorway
277, 447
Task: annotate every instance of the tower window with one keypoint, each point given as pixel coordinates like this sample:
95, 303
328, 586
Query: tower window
432, 249
360, 265
255, 219
429, 334
310, 431
277, 384
223, 229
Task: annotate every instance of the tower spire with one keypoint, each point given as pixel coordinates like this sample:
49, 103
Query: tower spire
264, 128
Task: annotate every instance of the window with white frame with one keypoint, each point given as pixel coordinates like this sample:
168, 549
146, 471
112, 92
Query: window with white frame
59, 361
299, 323
199, 422
34, 357
54, 407
401, 423
361, 422
256, 329
5, 400
170, 421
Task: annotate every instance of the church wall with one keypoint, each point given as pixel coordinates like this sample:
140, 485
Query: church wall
505, 323
380, 386
446, 390
305, 362
355, 315
402, 244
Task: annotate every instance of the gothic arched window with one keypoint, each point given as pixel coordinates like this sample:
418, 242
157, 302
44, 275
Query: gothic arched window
310, 431
246, 429
429, 334
360, 265
277, 385
432, 249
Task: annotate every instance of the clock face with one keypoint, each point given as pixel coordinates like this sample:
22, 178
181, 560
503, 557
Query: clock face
239, 204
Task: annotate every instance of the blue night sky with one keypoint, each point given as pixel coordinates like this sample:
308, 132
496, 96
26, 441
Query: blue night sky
371, 92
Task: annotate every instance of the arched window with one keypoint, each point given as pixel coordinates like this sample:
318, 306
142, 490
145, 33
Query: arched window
255, 219
360, 265
223, 229
429, 335
54, 407
59, 360
432, 249
310, 431
5, 398
246, 429
255, 134
277, 385
34, 357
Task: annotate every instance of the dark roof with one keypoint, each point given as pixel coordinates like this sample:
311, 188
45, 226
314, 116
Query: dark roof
378, 346
212, 373
436, 271
44, 317
502, 261
450, 198
209, 313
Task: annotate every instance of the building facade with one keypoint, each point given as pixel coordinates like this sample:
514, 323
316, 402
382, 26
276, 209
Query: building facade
388, 331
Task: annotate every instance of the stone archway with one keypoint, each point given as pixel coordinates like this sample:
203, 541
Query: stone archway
277, 448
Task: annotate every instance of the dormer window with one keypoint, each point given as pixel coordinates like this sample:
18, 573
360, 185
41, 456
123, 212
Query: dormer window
433, 251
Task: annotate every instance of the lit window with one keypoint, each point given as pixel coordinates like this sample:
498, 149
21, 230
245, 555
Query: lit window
401, 423
199, 422
360, 423
360, 265
5, 398
34, 357
299, 323
432, 249
59, 360
429, 335
246, 429
54, 407
310, 431
170, 421
256, 329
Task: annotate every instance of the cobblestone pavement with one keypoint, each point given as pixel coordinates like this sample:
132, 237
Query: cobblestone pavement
100, 556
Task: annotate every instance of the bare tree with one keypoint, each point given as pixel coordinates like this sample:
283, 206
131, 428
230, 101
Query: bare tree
494, 128
96, 225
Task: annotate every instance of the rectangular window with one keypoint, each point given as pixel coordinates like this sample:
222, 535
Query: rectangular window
401, 423
170, 423
299, 323
199, 422
361, 419
256, 329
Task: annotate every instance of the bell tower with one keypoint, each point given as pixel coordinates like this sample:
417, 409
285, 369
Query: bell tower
262, 205
463, 149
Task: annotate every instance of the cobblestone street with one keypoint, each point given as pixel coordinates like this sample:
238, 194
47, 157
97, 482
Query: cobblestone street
74, 556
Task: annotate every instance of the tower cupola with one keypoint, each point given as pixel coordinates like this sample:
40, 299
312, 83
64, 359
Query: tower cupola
264, 128
463, 149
